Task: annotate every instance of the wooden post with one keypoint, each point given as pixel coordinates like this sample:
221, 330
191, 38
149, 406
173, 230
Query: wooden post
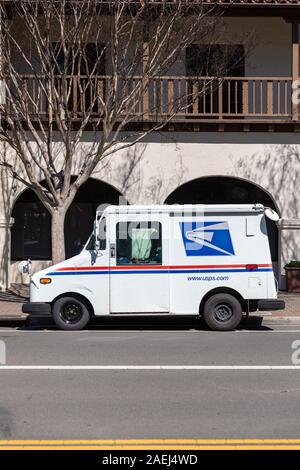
100, 86
2, 82
145, 84
50, 102
220, 98
195, 96
75, 95
295, 64
270, 97
245, 98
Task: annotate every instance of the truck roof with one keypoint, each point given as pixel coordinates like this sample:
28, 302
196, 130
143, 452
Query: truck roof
182, 208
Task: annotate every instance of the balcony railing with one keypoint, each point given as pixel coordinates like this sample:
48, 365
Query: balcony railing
282, 3
179, 98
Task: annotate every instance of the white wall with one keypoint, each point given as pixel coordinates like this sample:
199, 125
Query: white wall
271, 160
150, 171
165, 161
267, 43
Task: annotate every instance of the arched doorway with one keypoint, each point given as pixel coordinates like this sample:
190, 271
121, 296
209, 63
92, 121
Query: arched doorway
31, 232
227, 190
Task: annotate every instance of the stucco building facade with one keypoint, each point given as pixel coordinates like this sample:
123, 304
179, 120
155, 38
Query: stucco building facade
243, 150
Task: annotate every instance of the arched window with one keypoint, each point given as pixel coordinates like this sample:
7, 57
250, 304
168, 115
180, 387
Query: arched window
31, 232
81, 214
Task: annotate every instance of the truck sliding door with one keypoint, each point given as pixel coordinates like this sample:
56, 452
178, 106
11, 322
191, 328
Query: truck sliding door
139, 276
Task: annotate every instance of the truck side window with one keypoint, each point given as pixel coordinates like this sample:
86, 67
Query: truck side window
139, 243
102, 234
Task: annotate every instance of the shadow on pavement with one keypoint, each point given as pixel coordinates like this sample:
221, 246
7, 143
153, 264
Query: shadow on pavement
139, 323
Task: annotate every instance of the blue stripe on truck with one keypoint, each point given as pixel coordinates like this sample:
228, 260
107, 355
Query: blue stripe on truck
152, 271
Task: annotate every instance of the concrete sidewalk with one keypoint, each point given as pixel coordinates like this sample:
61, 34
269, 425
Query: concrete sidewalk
11, 306
11, 303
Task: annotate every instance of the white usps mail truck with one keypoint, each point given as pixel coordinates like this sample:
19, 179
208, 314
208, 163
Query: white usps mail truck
211, 261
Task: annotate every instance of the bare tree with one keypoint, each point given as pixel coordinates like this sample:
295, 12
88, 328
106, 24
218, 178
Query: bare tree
75, 66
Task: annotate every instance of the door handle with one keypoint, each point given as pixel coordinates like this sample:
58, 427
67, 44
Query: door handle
112, 250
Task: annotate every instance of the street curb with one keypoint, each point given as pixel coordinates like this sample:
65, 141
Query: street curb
281, 320
12, 318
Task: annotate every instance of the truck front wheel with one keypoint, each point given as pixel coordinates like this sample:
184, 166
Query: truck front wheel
70, 313
222, 312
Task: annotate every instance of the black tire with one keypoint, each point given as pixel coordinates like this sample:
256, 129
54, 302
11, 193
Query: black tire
70, 313
222, 312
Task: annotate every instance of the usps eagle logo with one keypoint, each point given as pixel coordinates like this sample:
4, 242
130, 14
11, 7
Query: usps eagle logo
207, 239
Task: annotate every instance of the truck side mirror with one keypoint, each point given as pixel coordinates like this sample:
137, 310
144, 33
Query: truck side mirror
24, 267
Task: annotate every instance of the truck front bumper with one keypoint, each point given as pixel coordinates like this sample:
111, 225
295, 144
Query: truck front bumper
37, 308
271, 304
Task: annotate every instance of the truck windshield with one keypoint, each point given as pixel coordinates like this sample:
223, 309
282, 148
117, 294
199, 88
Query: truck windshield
100, 233
90, 246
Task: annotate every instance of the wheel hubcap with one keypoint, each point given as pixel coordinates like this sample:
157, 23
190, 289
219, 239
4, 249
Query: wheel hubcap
71, 313
223, 312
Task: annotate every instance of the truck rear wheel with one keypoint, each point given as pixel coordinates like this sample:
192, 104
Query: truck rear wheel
70, 313
222, 312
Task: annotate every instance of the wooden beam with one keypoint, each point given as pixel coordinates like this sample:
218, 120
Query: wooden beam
295, 64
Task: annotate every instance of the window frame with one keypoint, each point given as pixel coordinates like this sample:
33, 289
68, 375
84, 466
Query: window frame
139, 224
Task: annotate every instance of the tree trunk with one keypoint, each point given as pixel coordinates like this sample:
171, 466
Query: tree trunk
58, 235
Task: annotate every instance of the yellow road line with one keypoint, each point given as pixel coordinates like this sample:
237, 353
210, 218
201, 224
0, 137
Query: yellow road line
132, 447
145, 441
150, 444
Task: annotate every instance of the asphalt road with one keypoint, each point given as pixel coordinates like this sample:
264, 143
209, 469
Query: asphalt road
123, 402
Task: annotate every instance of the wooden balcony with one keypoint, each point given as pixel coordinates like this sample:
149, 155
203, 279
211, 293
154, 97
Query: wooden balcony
254, 3
180, 99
